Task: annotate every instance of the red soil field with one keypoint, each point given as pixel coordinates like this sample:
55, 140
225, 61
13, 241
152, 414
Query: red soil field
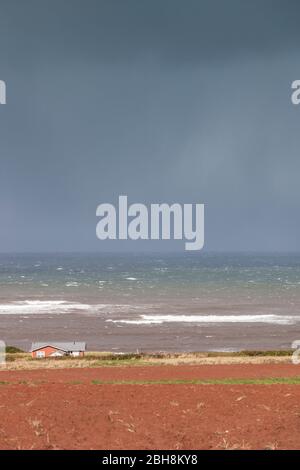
64, 409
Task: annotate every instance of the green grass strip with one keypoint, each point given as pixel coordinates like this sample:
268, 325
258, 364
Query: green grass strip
229, 381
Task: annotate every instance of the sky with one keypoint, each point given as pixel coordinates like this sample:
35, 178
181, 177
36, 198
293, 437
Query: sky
162, 100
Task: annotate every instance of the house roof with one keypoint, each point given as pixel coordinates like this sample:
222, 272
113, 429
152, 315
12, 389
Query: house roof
71, 346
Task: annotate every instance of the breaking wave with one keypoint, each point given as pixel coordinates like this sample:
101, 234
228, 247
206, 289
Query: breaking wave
39, 306
36, 307
159, 319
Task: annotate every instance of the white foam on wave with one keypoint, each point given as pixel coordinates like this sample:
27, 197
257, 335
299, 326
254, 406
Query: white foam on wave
40, 306
36, 307
159, 319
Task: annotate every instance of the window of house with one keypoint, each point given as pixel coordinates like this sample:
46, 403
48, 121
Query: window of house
40, 354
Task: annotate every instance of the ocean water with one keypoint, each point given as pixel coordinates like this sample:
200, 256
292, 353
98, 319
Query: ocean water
164, 302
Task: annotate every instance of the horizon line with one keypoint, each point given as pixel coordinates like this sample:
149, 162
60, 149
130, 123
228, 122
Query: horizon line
167, 252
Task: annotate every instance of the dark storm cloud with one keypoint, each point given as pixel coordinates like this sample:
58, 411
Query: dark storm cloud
185, 101
174, 30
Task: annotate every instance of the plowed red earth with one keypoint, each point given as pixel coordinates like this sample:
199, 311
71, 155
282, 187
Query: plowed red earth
64, 409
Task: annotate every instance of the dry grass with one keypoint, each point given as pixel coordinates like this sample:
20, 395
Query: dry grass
24, 361
227, 445
190, 360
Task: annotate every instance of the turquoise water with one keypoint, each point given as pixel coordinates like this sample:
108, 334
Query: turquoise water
196, 279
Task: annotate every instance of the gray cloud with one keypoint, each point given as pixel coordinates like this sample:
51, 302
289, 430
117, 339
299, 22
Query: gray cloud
163, 101
170, 30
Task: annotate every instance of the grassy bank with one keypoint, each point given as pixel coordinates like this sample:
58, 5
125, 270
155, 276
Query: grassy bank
20, 360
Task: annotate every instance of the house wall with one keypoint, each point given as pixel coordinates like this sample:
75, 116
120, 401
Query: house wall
77, 353
48, 351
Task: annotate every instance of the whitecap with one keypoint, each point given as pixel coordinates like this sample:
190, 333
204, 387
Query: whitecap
40, 307
159, 319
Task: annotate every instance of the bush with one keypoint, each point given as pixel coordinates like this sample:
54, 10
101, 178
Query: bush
13, 350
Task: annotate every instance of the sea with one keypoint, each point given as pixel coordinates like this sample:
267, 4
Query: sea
136, 302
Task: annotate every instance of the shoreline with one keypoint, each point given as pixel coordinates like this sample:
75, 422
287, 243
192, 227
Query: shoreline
100, 335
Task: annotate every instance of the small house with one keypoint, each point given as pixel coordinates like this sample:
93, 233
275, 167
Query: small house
56, 349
